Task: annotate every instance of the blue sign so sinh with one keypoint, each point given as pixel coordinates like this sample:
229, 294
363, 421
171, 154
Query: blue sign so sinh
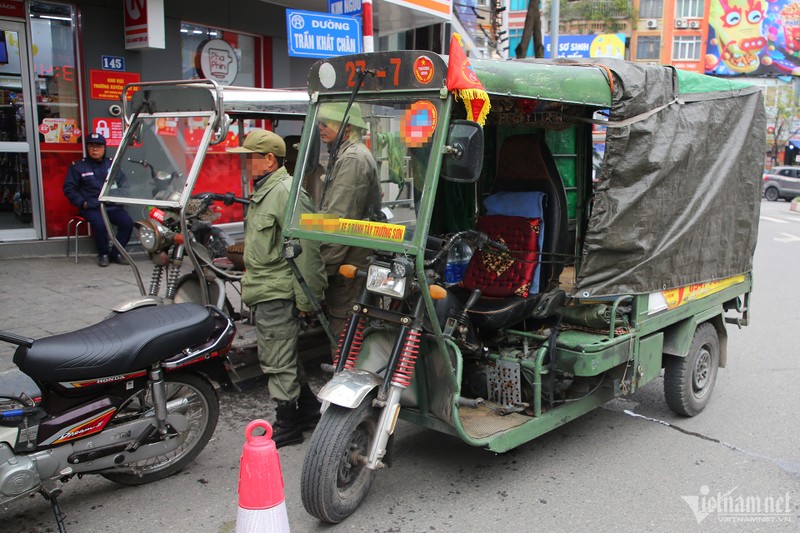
344, 7
602, 45
112, 63
321, 35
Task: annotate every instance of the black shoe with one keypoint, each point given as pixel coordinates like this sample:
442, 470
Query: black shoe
309, 407
118, 259
102, 260
287, 429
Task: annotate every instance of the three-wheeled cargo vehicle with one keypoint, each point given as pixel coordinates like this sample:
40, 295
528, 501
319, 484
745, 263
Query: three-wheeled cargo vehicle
582, 285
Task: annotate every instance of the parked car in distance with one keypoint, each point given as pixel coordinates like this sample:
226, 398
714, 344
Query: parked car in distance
781, 182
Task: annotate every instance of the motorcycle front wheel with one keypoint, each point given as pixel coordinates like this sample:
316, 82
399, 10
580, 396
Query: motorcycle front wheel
188, 394
335, 479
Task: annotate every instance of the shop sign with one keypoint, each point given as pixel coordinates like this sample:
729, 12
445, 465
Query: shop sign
344, 7
110, 128
112, 63
218, 61
144, 24
602, 45
322, 35
107, 85
12, 8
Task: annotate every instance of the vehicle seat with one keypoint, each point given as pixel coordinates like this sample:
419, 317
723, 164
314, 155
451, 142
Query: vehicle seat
525, 165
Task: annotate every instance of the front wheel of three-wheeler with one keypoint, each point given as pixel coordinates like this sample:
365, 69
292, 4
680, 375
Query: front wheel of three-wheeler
689, 381
335, 479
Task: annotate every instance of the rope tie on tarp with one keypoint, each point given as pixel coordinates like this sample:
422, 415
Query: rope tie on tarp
631, 120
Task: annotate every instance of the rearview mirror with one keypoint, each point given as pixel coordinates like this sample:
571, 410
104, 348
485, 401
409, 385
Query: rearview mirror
463, 161
221, 133
138, 133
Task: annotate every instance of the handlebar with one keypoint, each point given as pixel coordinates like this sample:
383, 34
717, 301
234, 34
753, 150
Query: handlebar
478, 238
227, 199
146, 165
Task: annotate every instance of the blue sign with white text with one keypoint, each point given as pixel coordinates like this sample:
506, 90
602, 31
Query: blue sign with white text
602, 45
321, 35
112, 63
344, 7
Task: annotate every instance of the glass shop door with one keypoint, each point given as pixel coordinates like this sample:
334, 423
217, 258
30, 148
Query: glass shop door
19, 206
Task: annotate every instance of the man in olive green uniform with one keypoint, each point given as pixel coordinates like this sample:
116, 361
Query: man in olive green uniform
270, 288
351, 190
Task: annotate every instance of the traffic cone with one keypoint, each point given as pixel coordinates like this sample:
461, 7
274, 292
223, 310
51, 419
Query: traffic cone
262, 508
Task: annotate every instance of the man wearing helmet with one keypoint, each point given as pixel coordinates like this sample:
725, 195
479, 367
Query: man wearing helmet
351, 190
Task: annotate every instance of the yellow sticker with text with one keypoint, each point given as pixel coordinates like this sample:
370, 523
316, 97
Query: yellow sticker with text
696, 291
359, 228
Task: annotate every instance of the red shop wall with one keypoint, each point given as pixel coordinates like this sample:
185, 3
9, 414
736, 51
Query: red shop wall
57, 209
221, 173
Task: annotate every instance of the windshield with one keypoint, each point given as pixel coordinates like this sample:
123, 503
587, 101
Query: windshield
154, 165
370, 185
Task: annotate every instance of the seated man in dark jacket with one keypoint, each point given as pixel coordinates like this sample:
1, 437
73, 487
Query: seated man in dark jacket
82, 186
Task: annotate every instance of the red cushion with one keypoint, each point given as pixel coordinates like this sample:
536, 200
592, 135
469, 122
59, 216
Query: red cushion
507, 273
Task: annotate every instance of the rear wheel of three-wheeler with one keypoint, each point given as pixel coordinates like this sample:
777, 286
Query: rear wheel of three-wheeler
689, 381
772, 194
335, 478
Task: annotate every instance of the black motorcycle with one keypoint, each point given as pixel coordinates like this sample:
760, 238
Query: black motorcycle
130, 398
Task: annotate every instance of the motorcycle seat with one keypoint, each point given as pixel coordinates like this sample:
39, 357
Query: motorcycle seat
494, 314
123, 343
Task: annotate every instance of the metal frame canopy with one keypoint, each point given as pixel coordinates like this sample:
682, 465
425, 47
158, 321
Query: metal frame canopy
206, 99
207, 95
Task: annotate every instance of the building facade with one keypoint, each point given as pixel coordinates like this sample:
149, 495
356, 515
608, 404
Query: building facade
63, 66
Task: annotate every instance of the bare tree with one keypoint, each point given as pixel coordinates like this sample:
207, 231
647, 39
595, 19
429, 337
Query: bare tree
533, 27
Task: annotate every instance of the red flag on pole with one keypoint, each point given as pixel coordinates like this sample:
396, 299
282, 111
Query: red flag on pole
461, 79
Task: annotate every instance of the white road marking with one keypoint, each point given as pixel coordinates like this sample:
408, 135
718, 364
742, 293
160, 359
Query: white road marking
778, 220
787, 237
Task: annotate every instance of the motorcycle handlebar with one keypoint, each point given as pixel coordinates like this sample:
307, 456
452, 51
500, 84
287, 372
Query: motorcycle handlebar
229, 199
146, 165
479, 239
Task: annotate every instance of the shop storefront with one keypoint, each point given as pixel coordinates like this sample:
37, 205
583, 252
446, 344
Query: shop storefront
62, 70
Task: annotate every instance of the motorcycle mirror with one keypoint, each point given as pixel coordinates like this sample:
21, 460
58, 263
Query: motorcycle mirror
221, 133
463, 161
138, 133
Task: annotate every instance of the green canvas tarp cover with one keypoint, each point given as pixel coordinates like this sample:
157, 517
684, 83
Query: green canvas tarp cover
679, 191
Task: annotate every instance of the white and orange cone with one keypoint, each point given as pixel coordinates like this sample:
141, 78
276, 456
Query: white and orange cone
262, 507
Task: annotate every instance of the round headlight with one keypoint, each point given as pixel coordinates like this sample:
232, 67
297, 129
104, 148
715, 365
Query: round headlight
150, 237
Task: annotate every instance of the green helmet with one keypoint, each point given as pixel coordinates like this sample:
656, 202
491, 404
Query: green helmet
334, 111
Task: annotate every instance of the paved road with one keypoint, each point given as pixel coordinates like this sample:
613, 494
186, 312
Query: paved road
608, 471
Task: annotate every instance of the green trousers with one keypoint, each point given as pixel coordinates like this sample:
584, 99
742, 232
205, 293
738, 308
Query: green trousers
277, 329
340, 296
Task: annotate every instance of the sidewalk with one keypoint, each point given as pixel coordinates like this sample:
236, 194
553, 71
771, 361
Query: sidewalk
49, 295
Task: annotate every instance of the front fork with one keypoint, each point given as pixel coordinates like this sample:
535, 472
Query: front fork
400, 372
173, 271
